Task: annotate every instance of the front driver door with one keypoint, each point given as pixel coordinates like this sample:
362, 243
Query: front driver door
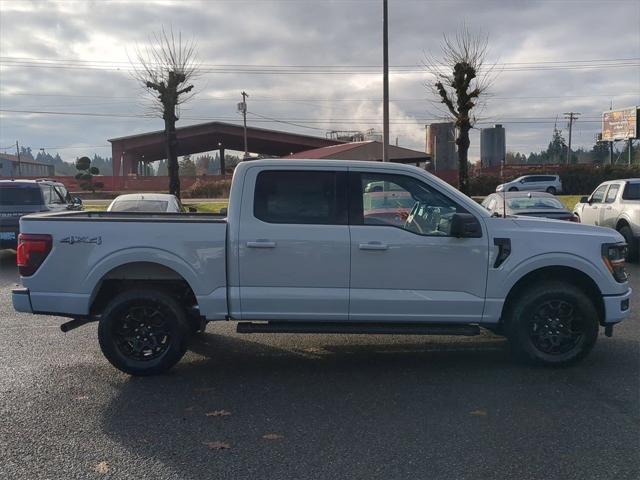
412, 270
591, 210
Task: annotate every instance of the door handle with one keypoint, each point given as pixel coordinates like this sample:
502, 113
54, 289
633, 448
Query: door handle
609, 208
261, 244
373, 246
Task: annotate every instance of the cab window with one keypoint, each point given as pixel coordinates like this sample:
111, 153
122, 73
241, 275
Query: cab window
400, 201
612, 193
301, 197
598, 195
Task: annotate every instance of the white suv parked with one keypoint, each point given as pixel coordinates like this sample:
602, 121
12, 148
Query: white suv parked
533, 183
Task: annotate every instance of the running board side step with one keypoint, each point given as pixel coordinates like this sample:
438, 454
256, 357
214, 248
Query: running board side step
358, 327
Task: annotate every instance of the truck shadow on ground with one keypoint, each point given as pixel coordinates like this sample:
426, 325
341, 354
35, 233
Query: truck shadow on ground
373, 410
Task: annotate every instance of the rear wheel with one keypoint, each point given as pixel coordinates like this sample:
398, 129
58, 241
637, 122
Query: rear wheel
632, 252
143, 332
552, 324
551, 190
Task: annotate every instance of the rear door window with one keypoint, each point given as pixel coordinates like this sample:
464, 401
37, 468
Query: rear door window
20, 195
612, 194
301, 197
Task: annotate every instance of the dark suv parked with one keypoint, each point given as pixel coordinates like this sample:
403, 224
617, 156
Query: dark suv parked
21, 197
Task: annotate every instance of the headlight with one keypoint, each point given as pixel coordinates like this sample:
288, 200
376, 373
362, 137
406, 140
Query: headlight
613, 255
499, 188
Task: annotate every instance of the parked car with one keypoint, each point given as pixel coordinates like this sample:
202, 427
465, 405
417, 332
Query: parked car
387, 206
529, 204
146, 202
615, 204
533, 183
296, 254
22, 197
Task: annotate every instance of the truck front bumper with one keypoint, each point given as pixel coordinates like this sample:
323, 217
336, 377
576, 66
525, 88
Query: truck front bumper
21, 300
617, 307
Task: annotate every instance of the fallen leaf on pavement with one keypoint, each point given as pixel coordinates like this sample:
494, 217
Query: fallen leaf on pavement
218, 445
272, 436
81, 397
218, 413
478, 413
102, 467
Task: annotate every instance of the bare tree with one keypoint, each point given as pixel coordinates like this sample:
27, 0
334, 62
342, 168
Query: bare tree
462, 78
165, 69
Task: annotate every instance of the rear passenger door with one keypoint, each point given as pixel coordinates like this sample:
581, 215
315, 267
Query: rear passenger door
294, 245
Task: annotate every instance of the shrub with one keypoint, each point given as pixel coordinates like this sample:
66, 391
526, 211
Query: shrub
203, 188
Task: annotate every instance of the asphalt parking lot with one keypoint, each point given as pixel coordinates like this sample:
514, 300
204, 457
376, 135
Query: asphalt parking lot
315, 406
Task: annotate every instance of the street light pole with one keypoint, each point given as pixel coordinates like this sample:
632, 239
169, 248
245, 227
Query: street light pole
385, 82
244, 119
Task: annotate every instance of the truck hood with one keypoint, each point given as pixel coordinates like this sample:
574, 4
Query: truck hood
545, 226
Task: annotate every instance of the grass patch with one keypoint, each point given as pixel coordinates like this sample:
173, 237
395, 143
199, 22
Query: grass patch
569, 201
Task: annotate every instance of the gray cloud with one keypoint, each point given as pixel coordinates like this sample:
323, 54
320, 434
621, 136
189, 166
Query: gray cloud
312, 33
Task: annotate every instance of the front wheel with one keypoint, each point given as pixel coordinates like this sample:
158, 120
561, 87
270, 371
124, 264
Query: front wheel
632, 250
513, 189
551, 190
552, 324
143, 332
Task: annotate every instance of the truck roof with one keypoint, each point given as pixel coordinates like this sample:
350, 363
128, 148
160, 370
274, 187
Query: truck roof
298, 162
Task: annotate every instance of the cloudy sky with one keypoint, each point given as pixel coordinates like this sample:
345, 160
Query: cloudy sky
310, 66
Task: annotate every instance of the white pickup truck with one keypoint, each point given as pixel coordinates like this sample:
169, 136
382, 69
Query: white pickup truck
326, 247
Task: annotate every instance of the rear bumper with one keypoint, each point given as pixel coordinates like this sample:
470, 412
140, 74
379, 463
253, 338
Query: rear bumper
21, 300
617, 307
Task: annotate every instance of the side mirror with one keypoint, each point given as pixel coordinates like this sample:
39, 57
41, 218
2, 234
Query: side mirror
522, 181
77, 200
223, 211
584, 200
496, 214
193, 209
465, 225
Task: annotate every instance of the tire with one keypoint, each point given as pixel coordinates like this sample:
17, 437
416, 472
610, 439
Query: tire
551, 190
143, 332
513, 189
536, 325
632, 252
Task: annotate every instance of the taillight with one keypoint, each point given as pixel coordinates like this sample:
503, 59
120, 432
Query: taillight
32, 250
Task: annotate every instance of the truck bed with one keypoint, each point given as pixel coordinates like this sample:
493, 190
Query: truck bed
89, 248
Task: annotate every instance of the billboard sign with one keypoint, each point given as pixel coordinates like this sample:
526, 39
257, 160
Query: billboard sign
620, 124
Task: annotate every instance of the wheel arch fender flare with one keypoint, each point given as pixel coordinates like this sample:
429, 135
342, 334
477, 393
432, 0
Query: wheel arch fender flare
559, 265
163, 258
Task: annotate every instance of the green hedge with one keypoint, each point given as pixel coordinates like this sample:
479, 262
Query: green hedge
209, 189
575, 180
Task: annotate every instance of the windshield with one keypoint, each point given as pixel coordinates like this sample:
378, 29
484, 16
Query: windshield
139, 206
20, 195
534, 203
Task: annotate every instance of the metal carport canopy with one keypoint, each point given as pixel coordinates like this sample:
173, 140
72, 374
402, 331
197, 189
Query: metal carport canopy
211, 136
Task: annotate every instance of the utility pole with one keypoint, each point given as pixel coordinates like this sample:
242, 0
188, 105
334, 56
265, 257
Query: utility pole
18, 155
385, 82
571, 116
243, 108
